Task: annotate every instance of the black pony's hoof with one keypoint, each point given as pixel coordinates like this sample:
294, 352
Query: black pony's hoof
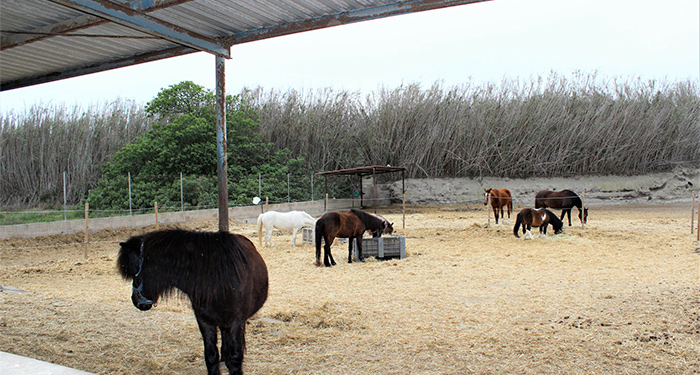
361, 259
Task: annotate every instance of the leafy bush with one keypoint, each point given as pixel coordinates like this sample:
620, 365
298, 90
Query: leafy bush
183, 140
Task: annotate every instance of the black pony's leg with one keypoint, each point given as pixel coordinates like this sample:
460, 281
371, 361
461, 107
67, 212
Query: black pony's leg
211, 352
233, 347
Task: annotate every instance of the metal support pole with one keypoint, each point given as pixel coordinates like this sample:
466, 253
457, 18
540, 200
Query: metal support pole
403, 194
221, 164
374, 185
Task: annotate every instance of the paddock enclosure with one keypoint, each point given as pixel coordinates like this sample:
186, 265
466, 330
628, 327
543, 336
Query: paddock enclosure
619, 296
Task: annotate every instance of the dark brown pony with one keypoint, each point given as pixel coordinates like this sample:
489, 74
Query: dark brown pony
223, 275
499, 198
541, 217
351, 225
564, 200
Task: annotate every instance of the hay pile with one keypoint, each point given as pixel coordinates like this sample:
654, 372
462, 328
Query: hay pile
620, 296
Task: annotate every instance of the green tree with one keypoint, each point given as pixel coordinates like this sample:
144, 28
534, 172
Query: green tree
184, 141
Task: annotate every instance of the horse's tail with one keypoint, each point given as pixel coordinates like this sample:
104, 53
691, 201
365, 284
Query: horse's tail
260, 229
518, 221
510, 206
318, 233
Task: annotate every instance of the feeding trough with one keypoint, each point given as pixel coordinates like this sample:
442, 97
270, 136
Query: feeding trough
392, 246
383, 247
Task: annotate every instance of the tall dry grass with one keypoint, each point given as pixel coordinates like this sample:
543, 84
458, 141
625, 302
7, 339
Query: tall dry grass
552, 126
38, 146
547, 126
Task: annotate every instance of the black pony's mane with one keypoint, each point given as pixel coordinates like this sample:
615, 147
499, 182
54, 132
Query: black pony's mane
203, 265
370, 221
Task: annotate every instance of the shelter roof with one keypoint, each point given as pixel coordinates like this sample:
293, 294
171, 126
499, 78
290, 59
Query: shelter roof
362, 171
48, 40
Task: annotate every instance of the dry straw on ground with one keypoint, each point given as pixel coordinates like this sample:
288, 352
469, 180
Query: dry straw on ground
620, 296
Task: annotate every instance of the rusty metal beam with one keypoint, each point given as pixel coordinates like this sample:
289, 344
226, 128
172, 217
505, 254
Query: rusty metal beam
98, 67
344, 18
79, 23
143, 22
221, 162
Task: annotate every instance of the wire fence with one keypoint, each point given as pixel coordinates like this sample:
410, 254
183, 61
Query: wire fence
177, 194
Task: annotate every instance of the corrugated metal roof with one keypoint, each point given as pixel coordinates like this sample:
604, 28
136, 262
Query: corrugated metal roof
48, 40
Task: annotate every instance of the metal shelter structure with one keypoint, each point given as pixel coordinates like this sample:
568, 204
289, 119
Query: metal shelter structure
373, 171
48, 40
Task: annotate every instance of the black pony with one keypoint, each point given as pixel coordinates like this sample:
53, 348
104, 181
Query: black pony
564, 200
223, 275
539, 218
352, 225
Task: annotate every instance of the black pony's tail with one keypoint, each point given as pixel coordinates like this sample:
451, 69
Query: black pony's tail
518, 221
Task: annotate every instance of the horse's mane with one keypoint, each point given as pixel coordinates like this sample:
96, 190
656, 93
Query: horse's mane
179, 258
554, 220
575, 197
370, 221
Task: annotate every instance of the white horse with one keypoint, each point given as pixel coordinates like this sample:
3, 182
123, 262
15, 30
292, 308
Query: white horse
294, 220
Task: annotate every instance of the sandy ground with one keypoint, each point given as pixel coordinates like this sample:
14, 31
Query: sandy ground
620, 296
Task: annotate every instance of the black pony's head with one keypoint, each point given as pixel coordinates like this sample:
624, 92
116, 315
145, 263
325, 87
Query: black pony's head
131, 263
556, 223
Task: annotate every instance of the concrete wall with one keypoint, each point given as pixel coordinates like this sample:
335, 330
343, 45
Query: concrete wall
245, 214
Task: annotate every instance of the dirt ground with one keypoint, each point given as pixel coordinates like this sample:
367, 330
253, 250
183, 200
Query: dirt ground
621, 296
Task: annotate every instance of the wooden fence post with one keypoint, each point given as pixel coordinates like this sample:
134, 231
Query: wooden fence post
583, 208
692, 213
85, 246
155, 205
488, 215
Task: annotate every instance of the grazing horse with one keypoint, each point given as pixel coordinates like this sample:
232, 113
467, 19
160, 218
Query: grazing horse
293, 220
351, 225
499, 198
564, 200
223, 275
540, 217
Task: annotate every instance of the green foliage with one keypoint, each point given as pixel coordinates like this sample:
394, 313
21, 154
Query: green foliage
185, 142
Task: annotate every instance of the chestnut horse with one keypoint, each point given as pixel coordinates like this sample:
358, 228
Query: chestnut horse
564, 200
223, 275
540, 217
499, 198
351, 225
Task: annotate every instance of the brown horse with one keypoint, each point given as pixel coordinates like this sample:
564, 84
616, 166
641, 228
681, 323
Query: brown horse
541, 217
564, 200
351, 225
223, 275
499, 198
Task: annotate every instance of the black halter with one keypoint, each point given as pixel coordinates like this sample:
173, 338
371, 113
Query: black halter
137, 286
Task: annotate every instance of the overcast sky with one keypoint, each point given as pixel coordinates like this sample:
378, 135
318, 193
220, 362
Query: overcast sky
514, 39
